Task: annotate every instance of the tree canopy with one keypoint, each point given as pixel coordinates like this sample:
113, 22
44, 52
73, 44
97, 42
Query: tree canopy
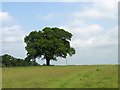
10, 61
48, 44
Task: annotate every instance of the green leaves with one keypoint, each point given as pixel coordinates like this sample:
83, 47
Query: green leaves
10, 61
49, 43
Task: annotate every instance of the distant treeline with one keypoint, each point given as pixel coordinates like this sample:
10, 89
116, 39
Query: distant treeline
10, 61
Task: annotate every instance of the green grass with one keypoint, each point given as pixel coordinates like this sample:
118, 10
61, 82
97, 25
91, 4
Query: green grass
92, 76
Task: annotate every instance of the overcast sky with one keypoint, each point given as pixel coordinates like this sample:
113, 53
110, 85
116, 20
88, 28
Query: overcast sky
94, 27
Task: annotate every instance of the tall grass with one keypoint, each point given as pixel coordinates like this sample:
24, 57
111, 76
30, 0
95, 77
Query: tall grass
92, 76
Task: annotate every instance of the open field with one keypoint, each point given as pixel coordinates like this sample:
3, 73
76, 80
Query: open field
92, 76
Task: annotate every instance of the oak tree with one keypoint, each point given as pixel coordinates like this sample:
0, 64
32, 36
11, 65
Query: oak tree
48, 44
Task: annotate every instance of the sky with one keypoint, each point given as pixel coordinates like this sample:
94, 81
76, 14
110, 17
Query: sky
94, 25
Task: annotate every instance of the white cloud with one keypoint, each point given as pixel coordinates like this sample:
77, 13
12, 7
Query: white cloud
85, 31
88, 30
109, 4
106, 39
109, 38
103, 9
96, 13
89, 13
83, 43
12, 34
5, 17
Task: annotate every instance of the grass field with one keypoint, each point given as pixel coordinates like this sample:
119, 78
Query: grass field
92, 76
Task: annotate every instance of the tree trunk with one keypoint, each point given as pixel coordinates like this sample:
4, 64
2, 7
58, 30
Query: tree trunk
47, 62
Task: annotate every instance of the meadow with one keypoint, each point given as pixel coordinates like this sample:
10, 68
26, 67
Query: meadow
81, 76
